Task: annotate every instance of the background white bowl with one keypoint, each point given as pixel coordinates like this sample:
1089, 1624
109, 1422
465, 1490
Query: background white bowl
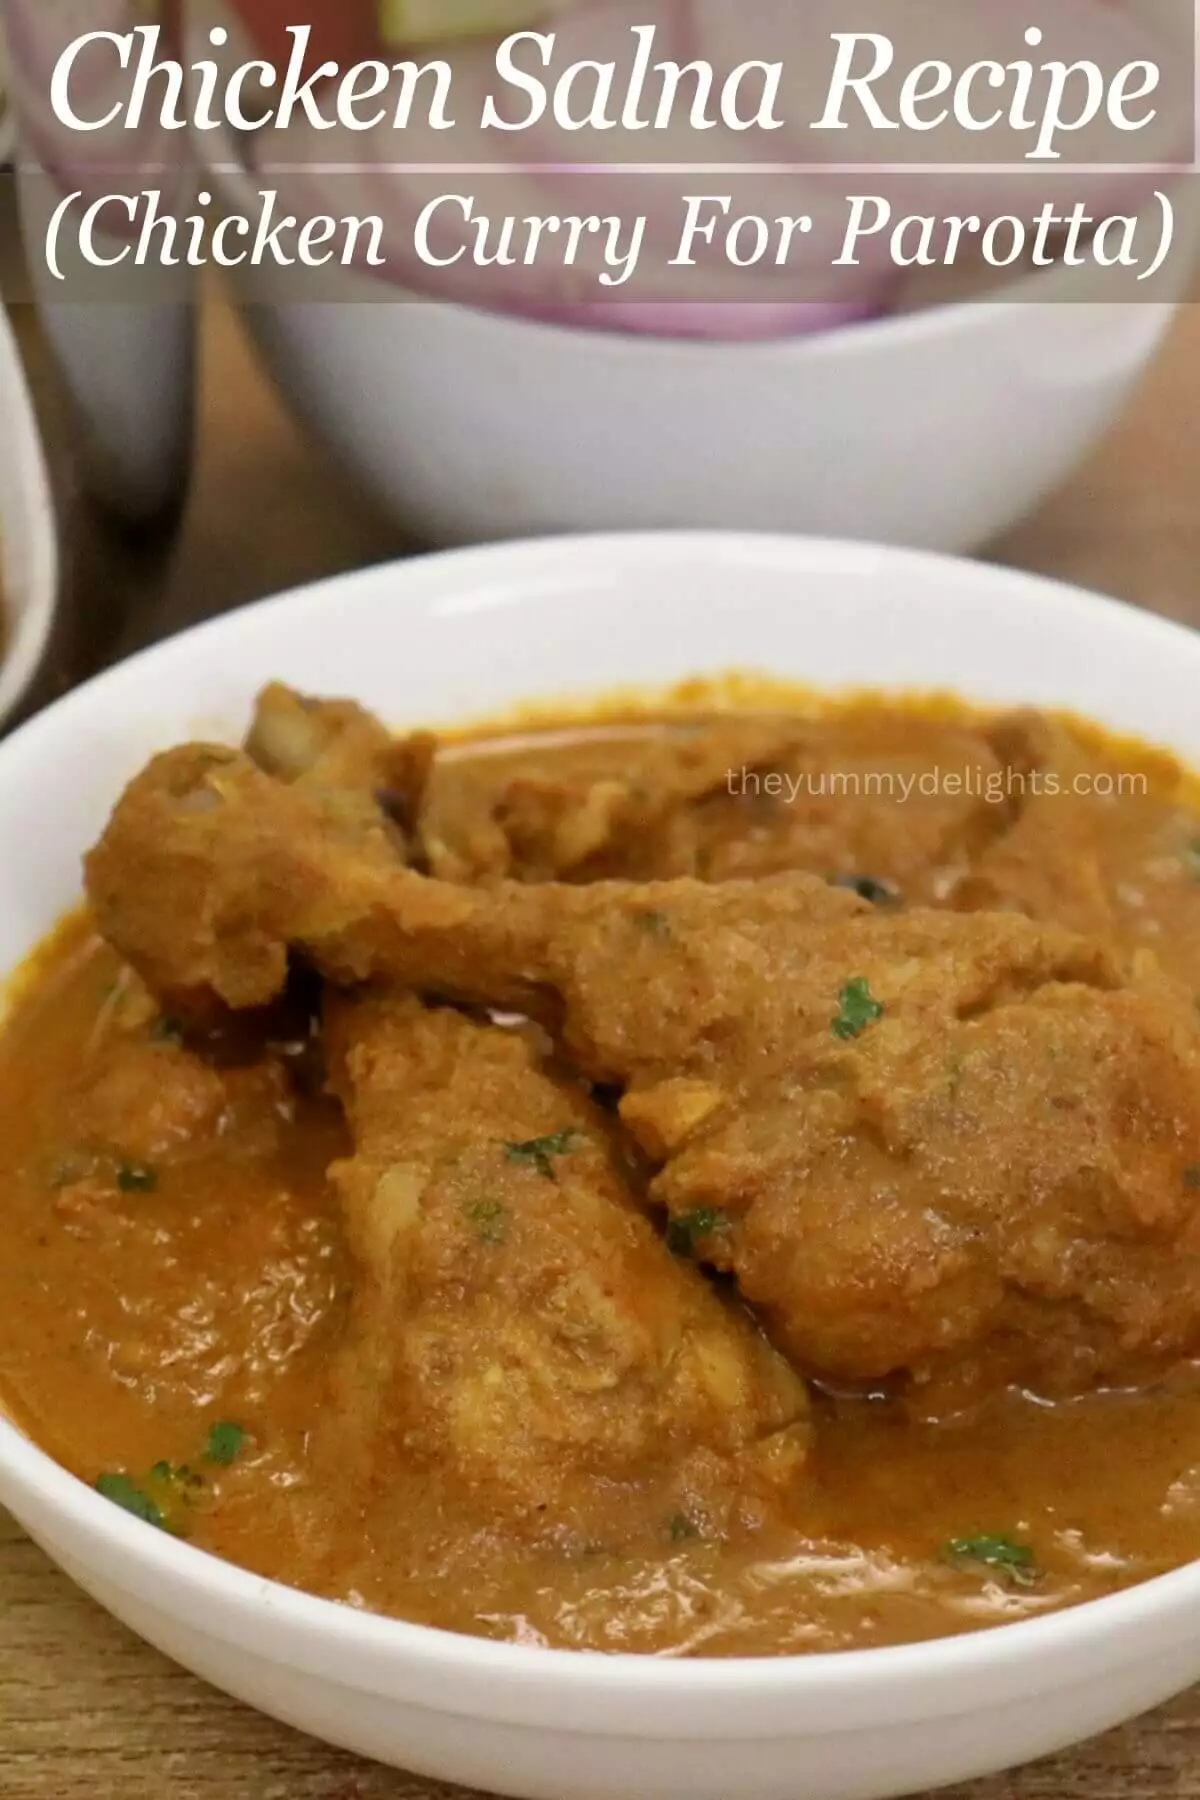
28, 540
466, 634
935, 429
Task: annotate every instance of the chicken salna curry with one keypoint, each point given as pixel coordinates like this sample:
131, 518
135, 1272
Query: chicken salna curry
719, 1179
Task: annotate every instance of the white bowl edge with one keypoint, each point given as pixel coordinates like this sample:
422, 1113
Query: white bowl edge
919, 615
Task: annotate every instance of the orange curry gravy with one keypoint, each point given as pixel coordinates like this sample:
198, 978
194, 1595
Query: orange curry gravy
209, 1295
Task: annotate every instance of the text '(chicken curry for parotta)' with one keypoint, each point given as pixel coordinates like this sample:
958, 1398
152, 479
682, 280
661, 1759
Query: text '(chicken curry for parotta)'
720, 1179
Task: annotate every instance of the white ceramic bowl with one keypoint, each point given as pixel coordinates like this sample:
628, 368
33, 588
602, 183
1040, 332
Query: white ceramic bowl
28, 542
442, 639
935, 429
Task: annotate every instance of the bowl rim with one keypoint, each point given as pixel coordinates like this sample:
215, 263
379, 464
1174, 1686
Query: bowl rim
500, 1679
28, 522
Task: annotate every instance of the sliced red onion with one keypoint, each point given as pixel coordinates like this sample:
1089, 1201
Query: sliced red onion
730, 321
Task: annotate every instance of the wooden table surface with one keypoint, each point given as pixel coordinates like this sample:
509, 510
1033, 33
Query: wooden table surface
86, 1711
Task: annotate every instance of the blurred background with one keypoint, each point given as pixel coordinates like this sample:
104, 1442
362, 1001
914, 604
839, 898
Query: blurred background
204, 455
267, 506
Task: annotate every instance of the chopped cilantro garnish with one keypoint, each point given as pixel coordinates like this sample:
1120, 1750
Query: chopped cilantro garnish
540, 1152
162, 1497
1014, 1562
684, 1231
680, 1528
126, 1493
176, 1476
166, 1030
137, 1178
857, 1008
879, 893
172, 1487
1191, 1176
654, 924
489, 1220
225, 1440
